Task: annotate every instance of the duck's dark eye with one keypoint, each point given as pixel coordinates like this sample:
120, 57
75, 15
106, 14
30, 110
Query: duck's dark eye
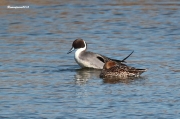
101, 59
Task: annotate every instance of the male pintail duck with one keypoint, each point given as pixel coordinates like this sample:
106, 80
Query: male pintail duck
119, 70
89, 59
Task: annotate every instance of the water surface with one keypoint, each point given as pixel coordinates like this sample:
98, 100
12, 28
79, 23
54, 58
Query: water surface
38, 79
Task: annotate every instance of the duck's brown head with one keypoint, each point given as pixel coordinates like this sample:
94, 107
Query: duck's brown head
109, 64
77, 44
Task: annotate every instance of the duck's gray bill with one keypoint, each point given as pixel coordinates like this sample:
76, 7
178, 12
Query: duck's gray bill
71, 50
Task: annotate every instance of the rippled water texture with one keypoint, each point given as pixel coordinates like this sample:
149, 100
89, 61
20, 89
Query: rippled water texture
39, 80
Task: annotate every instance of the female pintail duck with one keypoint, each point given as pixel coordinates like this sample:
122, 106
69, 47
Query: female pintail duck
89, 59
112, 69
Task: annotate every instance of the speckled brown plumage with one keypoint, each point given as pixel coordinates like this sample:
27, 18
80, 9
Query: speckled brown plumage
112, 69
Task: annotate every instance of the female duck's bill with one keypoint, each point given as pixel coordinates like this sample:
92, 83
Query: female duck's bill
112, 69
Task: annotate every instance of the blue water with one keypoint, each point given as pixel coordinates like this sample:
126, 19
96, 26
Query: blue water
38, 79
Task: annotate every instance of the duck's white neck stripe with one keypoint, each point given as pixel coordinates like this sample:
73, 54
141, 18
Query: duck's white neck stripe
77, 53
85, 45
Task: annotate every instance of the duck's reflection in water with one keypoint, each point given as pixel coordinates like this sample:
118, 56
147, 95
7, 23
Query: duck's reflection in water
115, 80
84, 74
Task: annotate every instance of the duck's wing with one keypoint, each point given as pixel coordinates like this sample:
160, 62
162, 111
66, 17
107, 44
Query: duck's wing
132, 70
93, 59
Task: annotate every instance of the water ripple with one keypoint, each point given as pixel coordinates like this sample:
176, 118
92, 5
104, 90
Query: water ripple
39, 80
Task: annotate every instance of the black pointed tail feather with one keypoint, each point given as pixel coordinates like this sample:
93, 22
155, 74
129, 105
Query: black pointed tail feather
127, 56
124, 58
